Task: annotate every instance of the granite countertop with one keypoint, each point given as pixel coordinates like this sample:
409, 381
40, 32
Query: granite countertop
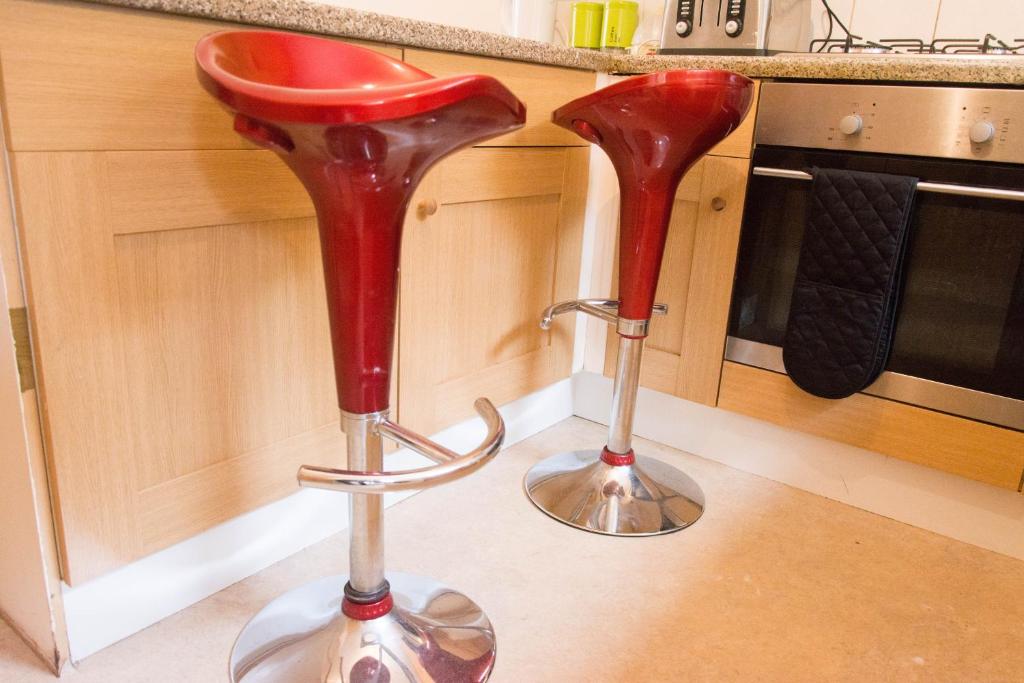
316, 17
932, 69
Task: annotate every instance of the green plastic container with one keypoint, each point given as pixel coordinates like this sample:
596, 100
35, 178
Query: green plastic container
586, 24
621, 18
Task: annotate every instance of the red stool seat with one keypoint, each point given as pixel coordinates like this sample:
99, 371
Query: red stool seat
285, 77
359, 129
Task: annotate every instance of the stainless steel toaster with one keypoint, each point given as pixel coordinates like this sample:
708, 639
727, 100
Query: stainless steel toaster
736, 27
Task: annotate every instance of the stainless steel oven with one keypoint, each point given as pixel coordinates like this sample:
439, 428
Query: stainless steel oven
959, 337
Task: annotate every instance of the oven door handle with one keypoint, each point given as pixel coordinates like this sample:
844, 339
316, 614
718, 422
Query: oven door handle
940, 188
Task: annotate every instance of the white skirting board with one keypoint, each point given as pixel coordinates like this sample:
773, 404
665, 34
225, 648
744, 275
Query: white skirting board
959, 508
116, 605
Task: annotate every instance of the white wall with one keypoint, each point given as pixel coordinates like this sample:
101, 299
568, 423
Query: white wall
1004, 18
927, 19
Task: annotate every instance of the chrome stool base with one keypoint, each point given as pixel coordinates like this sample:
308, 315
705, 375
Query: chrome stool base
431, 634
646, 498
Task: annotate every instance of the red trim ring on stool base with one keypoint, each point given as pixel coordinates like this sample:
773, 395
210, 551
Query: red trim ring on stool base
617, 459
369, 610
653, 129
360, 130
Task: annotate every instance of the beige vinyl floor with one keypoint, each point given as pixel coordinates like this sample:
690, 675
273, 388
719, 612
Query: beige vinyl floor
773, 584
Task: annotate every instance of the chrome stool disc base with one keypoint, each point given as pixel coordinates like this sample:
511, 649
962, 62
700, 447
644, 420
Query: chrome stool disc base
431, 634
646, 498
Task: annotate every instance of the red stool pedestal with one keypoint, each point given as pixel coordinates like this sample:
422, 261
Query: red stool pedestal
360, 129
653, 129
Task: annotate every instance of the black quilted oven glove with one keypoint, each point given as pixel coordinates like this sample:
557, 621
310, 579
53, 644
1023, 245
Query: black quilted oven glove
848, 279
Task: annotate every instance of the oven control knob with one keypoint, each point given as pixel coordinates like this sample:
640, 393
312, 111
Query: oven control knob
982, 132
732, 28
851, 124
682, 27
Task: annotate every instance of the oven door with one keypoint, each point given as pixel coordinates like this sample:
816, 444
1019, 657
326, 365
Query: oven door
959, 339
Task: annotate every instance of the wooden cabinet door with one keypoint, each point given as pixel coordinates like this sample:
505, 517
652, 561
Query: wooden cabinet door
685, 349
183, 353
174, 285
503, 244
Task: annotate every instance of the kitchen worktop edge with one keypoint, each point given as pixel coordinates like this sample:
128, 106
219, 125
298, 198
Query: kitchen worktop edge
317, 17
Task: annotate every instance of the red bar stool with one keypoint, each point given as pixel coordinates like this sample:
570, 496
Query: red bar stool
359, 130
653, 129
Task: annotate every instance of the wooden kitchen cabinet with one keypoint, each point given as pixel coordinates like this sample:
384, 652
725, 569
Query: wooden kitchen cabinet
185, 370
173, 285
175, 292
501, 243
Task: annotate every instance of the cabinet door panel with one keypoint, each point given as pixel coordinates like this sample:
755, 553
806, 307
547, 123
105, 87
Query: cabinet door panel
185, 373
503, 247
477, 274
686, 347
180, 507
209, 318
201, 187
71, 278
716, 241
661, 355
674, 281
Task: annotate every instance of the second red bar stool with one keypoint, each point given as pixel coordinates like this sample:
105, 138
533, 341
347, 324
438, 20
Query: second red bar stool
653, 128
360, 130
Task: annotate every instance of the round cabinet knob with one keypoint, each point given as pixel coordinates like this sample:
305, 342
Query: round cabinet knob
982, 132
428, 207
851, 124
682, 27
732, 27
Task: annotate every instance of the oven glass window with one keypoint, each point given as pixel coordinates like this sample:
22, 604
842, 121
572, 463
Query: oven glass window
961, 314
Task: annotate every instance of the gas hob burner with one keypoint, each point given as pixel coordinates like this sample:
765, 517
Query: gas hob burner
868, 50
907, 46
851, 44
990, 45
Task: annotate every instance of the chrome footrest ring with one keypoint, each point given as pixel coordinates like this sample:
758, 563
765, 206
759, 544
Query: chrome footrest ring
451, 465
